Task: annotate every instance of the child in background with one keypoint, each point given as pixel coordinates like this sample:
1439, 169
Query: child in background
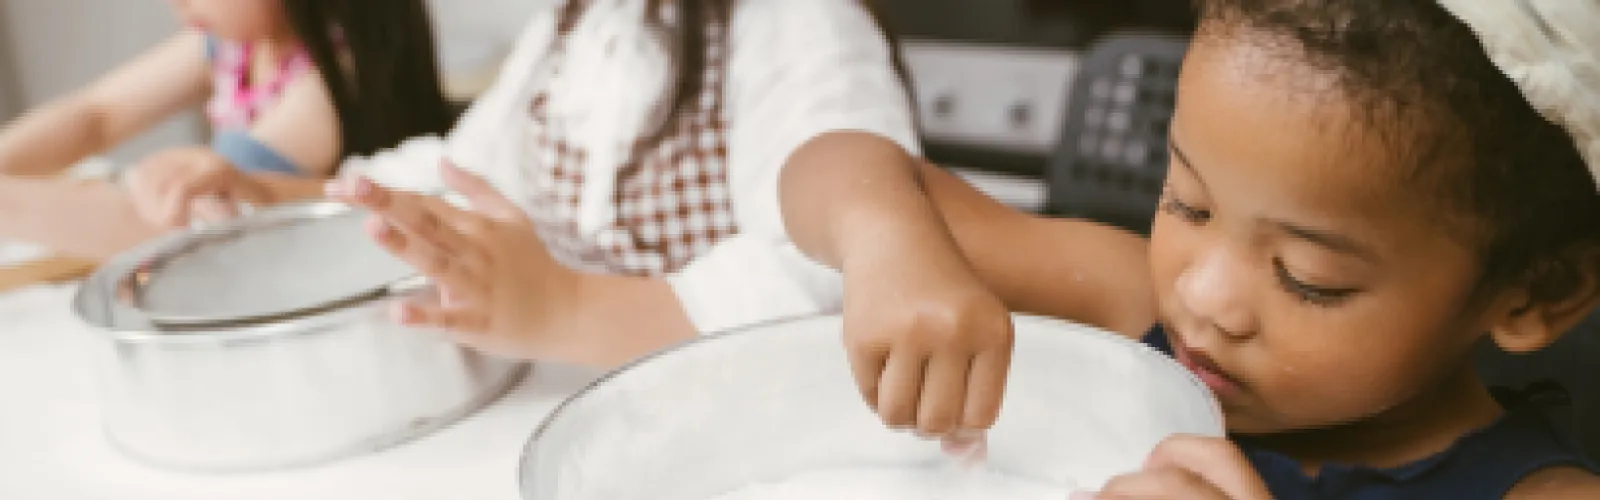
1358, 195
290, 87
632, 158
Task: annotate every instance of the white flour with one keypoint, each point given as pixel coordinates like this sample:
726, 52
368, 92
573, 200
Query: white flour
894, 483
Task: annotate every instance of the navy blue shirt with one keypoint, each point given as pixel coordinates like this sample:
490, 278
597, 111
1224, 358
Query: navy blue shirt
1482, 465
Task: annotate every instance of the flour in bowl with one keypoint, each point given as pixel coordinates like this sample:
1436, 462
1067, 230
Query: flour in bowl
894, 483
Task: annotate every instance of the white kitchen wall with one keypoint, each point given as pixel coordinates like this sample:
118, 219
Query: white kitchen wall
57, 46
9, 95
497, 18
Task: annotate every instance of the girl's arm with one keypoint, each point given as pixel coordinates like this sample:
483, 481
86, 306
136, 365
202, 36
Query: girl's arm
167, 79
517, 301
89, 219
499, 289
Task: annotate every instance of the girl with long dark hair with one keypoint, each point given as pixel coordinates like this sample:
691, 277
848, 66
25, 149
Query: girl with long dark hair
289, 87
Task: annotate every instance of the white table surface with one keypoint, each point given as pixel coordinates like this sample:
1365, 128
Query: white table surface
12, 254
51, 446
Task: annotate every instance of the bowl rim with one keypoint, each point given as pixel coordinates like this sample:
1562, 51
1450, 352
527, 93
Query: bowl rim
526, 461
101, 300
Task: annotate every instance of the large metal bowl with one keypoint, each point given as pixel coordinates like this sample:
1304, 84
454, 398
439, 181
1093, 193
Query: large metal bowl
775, 401
243, 390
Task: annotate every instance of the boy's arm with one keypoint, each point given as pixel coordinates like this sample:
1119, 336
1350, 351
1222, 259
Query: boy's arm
929, 344
1065, 268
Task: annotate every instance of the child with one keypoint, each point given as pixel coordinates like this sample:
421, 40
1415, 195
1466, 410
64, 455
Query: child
1358, 195
291, 87
637, 150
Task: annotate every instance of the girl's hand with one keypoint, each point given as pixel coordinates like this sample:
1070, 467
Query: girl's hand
176, 187
929, 344
1189, 467
495, 285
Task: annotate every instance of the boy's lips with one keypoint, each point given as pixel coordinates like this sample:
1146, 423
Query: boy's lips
1206, 369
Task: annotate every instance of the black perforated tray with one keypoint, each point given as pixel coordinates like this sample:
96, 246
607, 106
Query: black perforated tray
1112, 156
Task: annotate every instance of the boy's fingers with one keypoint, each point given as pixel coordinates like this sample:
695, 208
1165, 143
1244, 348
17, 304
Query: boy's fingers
900, 389
944, 393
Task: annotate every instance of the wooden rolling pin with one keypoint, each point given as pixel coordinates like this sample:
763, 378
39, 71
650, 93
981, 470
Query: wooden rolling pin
43, 271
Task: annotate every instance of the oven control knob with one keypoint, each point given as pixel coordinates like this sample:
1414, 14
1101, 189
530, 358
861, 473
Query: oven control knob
1020, 115
944, 106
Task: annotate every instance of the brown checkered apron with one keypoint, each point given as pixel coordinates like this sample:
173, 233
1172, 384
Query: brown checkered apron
672, 197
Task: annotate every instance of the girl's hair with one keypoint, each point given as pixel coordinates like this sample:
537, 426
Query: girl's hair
689, 40
1423, 84
377, 60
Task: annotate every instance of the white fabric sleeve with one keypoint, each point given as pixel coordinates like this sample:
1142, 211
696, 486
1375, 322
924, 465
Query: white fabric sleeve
744, 281
798, 69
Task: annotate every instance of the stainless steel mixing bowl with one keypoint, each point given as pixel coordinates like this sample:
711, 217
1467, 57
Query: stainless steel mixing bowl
264, 343
1082, 406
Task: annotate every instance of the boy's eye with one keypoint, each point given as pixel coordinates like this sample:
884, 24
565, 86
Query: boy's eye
1312, 294
1185, 211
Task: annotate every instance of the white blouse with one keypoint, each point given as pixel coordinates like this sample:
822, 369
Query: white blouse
797, 69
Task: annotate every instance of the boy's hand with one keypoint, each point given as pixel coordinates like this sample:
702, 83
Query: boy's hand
1189, 467
929, 345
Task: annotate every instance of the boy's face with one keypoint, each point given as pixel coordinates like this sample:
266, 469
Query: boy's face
1310, 284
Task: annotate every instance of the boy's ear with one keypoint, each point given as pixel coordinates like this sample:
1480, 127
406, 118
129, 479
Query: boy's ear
1552, 300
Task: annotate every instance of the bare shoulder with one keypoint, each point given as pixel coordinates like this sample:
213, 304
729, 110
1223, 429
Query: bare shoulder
1557, 483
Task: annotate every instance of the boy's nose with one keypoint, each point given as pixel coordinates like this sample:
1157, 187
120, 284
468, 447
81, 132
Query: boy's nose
1215, 290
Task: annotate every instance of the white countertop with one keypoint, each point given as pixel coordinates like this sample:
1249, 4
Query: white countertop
12, 254
51, 445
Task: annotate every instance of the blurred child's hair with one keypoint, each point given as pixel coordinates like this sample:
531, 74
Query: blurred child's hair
378, 61
1509, 180
689, 44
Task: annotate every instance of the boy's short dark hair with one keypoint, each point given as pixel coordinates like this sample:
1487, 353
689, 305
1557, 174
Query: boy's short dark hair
1425, 85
